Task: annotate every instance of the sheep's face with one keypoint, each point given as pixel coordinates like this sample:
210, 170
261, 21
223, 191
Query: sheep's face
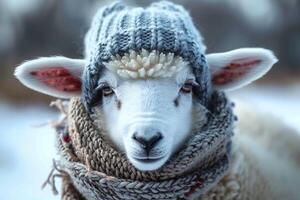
148, 119
146, 100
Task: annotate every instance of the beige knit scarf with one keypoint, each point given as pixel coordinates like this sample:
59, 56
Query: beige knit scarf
98, 171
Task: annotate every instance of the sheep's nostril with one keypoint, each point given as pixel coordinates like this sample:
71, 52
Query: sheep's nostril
147, 142
153, 140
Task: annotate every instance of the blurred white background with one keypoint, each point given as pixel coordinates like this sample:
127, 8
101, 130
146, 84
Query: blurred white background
35, 28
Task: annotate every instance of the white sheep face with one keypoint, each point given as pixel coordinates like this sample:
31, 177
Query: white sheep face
147, 118
147, 100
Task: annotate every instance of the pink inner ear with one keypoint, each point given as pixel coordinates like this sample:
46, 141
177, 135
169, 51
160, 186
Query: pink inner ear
58, 78
234, 71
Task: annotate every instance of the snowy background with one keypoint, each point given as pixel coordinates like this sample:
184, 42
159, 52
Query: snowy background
26, 151
35, 28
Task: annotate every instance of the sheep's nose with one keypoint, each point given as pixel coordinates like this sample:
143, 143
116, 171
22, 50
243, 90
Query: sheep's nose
148, 142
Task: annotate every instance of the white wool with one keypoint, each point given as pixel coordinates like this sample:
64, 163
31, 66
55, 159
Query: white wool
265, 162
145, 64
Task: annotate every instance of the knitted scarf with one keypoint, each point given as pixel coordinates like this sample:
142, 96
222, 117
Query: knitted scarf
98, 171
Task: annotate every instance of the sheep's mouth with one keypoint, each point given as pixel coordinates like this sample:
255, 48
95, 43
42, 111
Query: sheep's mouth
148, 163
148, 160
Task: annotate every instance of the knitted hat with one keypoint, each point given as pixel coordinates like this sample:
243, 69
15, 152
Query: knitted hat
163, 26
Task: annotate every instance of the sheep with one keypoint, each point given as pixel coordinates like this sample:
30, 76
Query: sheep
139, 102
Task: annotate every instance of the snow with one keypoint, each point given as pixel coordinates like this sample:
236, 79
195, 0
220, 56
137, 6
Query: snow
26, 151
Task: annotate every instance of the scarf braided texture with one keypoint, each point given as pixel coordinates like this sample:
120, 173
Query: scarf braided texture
99, 171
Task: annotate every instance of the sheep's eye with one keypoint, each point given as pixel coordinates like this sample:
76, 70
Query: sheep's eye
187, 86
107, 90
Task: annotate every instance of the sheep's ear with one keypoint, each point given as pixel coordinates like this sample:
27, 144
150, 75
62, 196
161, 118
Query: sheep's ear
56, 76
237, 68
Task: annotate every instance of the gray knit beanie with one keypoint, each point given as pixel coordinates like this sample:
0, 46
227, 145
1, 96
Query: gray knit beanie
163, 26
